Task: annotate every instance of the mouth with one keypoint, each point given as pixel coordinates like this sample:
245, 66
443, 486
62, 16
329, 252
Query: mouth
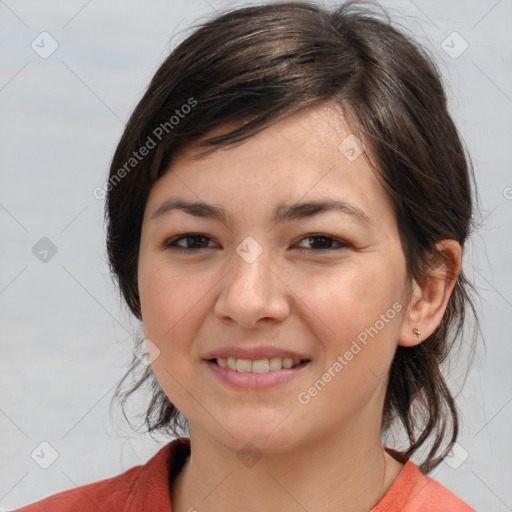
257, 374
258, 365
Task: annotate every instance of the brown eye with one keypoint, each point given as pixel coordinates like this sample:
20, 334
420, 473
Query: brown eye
192, 241
324, 242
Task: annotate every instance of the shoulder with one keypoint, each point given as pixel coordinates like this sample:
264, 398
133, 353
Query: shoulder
148, 483
94, 496
412, 491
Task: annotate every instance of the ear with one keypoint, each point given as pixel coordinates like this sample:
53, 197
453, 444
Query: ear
429, 298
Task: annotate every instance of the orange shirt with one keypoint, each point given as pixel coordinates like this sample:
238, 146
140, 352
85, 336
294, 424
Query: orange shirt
146, 487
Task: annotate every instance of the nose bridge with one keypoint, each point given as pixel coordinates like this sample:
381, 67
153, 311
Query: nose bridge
252, 273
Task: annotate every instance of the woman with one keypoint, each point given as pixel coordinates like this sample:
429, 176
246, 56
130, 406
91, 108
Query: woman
287, 210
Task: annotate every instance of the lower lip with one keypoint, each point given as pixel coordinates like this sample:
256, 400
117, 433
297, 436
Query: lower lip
250, 380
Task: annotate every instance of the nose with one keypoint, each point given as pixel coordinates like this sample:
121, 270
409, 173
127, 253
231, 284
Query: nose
253, 292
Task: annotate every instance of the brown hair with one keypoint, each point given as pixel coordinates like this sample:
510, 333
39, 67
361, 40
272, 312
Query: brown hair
253, 66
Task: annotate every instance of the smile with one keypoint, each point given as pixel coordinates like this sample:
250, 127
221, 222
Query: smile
256, 374
258, 365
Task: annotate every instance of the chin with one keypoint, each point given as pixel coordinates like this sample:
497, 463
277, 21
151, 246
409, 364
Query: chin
274, 435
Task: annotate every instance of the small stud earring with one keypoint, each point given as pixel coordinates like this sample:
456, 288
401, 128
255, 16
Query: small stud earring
418, 333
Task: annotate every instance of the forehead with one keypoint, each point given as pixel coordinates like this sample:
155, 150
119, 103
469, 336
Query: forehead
308, 155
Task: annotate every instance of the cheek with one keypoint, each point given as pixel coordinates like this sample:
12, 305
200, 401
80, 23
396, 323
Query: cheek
361, 311
354, 297
167, 296
363, 315
170, 302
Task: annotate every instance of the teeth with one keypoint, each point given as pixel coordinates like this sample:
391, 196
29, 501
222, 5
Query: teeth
258, 366
243, 365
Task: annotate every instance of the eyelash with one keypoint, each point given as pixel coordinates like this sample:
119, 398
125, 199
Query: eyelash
170, 243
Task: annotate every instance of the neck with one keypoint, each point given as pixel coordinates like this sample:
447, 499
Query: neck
345, 472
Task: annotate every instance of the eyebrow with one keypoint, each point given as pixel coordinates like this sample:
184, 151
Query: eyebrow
283, 213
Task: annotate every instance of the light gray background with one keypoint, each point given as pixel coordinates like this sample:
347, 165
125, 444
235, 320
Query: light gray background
66, 340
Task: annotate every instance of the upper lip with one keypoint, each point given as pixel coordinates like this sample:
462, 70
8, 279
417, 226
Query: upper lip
254, 353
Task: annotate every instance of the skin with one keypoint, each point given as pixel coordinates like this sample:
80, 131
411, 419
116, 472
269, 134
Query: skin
325, 455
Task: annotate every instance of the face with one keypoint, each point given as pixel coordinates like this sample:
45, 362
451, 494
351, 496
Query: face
326, 287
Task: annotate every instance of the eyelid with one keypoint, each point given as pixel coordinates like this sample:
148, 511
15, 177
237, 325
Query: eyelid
168, 243
341, 244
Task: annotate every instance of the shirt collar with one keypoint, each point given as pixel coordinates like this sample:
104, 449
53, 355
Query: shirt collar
151, 489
